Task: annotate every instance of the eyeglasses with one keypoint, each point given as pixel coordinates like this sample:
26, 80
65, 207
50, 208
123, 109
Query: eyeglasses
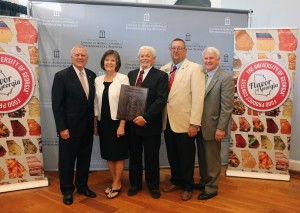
177, 48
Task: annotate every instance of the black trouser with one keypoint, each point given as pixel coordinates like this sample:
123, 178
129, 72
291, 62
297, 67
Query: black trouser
181, 152
77, 149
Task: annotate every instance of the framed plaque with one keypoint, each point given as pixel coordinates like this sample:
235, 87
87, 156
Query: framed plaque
132, 102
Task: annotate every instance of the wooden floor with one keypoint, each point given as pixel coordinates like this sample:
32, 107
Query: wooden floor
236, 195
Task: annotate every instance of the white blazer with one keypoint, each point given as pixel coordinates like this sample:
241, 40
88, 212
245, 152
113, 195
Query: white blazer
113, 94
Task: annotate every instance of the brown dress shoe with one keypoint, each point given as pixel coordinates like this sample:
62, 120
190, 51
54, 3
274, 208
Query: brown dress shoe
171, 188
186, 195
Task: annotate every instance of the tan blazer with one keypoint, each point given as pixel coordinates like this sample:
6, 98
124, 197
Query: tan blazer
185, 100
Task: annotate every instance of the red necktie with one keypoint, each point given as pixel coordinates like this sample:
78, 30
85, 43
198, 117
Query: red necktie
172, 76
140, 79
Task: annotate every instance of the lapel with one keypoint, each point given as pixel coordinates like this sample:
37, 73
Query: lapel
74, 78
148, 78
133, 77
90, 81
179, 76
213, 81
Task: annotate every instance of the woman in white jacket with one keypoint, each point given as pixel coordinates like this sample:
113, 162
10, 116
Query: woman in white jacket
113, 143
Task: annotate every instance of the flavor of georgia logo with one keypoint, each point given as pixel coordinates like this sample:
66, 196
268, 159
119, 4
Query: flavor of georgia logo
16, 83
263, 85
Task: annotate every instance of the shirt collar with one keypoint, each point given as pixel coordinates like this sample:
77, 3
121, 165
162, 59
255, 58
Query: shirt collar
77, 70
211, 73
146, 70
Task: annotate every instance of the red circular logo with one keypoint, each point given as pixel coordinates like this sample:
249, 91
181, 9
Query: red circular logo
16, 83
263, 85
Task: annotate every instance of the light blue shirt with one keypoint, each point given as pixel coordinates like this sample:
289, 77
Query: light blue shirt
210, 75
177, 68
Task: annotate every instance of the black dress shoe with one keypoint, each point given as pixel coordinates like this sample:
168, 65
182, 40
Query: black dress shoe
133, 191
205, 196
68, 199
155, 193
87, 192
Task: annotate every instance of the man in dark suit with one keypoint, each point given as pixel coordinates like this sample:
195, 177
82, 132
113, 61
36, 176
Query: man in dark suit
73, 95
218, 106
145, 130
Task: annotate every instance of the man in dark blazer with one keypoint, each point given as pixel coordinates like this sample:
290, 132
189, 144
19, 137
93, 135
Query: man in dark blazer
73, 95
145, 130
218, 106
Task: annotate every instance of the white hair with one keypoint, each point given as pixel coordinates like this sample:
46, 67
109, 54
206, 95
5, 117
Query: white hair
211, 50
151, 49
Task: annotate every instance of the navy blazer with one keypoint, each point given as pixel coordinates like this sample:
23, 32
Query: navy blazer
71, 109
157, 82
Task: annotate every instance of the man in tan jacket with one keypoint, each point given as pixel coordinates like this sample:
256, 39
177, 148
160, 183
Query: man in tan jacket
182, 117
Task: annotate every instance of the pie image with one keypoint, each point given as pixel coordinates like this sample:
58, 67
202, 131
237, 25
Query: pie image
29, 147
271, 126
34, 127
233, 159
2, 174
243, 41
292, 61
237, 63
287, 108
233, 125
257, 125
262, 56
285, 126
248, 160
265, 162
287, 40
15, 168
5, 33
265, 41
17, 114
18, 128
2, 151
282, 163
13, 148
4, 131
33, 53
239, 108
273, 113
278, 143
36, 168
244, 124
34, 107
26, 33
265, 142
240, 141
252, 142
289, 142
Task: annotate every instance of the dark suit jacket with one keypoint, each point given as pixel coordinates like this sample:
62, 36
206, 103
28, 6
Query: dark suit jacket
157, 82
71, 109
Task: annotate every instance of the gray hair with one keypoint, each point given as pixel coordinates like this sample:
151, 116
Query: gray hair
211, 50
80, 47
151, 49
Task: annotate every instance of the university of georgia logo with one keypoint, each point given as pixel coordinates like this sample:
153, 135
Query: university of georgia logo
263, 85
16, 83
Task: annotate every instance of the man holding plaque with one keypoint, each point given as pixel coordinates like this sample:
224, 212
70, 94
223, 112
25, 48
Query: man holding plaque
145, 129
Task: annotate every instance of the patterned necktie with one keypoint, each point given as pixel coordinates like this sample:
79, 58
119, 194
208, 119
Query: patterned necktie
172, 76
140, 79
206, 76
82, 81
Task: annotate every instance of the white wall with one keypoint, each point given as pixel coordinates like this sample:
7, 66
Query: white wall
278, 13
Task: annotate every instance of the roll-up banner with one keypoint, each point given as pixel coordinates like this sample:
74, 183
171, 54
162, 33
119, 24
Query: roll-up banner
264, 74
125, 28
21, 154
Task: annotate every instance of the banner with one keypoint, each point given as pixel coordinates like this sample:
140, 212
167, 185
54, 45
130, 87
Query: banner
21, 160
125, 28
264, 73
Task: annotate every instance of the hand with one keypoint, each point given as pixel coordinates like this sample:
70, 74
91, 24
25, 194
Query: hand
193, 131
120, 131
139, 120
220, 135
64, 134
